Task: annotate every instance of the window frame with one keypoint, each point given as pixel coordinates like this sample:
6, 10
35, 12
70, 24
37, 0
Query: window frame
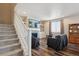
56, 31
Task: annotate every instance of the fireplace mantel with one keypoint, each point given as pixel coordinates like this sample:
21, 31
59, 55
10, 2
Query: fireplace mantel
34, 29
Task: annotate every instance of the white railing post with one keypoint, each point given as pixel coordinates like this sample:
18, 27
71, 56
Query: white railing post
29, 37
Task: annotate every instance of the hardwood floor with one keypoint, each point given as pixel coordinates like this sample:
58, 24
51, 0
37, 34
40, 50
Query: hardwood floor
43, 50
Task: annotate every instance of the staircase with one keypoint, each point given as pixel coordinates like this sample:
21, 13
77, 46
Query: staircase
9, 42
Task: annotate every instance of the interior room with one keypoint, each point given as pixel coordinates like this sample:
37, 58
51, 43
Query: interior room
51, 29
56, 32
39, 29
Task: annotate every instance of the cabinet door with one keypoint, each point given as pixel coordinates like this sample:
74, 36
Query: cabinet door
72, 39
77, 40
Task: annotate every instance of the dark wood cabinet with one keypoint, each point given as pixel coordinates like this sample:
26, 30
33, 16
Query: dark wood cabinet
74, 33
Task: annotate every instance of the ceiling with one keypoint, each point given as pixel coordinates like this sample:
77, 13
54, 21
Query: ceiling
47, 11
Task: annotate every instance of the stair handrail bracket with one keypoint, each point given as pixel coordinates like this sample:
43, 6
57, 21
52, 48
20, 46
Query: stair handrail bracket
22, 33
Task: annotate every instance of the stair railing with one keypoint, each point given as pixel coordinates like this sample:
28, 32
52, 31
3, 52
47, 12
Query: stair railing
22, 33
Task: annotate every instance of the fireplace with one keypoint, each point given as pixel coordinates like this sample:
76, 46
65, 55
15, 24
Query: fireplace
35, 34
35, 41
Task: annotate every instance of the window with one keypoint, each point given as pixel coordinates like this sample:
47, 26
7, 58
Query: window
56, 26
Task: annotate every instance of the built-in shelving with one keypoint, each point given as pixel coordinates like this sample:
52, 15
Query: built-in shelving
74, 33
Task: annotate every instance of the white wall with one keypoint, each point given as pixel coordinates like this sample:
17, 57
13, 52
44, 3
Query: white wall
46, 28
70, 20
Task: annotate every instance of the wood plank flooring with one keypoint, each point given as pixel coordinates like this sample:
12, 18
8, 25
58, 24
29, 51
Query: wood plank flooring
43, 50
